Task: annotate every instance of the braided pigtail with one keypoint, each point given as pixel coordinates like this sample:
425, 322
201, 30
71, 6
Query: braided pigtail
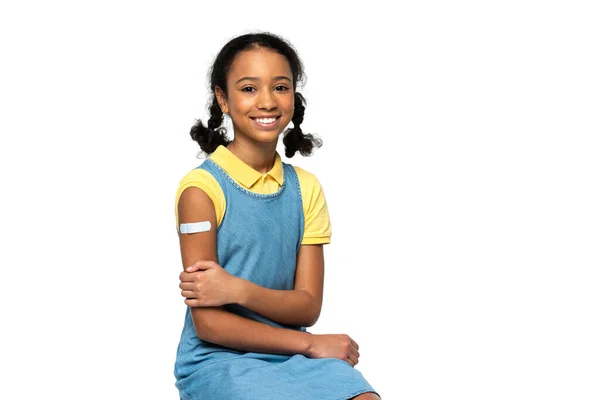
213, 135
293, 139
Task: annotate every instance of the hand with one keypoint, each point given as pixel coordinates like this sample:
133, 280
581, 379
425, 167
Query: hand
207, 284
334, 346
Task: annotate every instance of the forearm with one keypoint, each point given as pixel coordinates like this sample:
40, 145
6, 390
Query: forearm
221, 327
289, 307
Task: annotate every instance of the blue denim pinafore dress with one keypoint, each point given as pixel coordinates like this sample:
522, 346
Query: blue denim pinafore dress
258, 240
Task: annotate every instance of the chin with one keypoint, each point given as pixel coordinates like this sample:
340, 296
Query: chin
265, 138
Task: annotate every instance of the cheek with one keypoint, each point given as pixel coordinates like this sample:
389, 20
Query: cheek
286, 103
240, 104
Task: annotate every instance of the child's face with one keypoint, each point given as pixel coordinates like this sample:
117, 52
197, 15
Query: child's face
260, 95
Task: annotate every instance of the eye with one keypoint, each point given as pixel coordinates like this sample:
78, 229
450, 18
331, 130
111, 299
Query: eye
281, 88
248, 89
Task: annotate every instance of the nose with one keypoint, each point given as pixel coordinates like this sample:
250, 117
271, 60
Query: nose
266, 100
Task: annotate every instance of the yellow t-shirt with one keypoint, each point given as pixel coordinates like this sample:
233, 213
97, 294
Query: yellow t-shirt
317, 227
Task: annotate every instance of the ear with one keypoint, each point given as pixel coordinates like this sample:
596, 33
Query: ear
221, 100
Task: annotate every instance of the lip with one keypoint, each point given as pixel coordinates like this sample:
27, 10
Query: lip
266, 116
270, 126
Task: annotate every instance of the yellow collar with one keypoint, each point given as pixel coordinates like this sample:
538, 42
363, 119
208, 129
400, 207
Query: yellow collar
242, 172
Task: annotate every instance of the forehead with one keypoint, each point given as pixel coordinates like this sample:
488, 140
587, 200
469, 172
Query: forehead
261, 63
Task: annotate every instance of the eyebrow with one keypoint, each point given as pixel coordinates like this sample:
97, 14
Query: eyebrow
254, 78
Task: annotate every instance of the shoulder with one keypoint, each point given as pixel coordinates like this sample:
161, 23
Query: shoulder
196, 175
308, 180
313, 197
199, 178
205, 181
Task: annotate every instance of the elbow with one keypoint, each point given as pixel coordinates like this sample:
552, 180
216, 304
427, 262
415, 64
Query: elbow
313, 310
310, 323
313, 316
204, 325
204, 331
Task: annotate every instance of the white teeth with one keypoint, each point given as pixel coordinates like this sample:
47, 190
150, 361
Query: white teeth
266, 120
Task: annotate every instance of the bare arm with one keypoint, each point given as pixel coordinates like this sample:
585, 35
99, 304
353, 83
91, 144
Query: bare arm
214, 324
213, 286
301, 306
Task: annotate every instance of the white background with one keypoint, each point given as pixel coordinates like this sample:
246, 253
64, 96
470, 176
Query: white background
465, 262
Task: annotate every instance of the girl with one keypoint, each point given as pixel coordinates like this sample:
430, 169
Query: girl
252, 228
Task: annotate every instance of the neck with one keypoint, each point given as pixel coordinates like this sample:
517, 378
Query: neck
259, 156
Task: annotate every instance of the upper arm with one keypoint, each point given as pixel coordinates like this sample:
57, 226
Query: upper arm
310, 271
196, 206
317, 226
202, 179
310, 266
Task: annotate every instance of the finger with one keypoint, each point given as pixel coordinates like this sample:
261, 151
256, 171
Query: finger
194, 267
354, 344
200, 266
191, 276
355, 352
188, 294
192, 302
187, 285
187, 276
352, 360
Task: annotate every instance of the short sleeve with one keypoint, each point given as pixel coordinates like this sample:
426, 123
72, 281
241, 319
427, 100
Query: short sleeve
202, 179
317, 226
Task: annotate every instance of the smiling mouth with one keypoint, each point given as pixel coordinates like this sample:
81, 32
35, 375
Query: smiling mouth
266, 122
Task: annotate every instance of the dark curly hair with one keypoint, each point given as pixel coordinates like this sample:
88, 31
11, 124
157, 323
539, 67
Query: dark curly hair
213, 135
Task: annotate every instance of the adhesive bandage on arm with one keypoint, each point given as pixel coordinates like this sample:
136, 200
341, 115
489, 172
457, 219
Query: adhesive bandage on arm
195, 227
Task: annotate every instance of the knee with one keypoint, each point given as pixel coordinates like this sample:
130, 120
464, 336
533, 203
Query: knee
367, 396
